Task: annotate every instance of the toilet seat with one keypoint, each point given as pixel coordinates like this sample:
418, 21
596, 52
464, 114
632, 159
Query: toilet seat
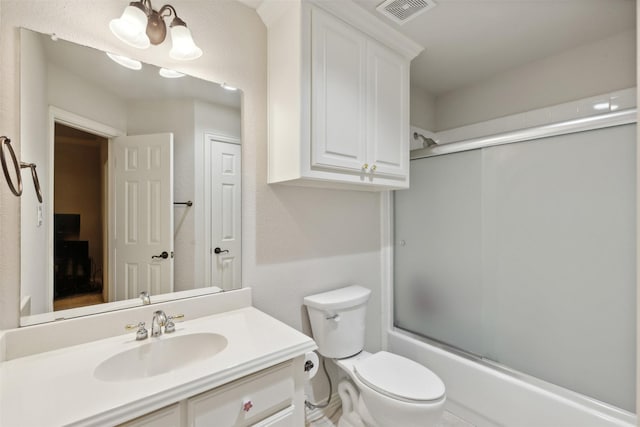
399, 378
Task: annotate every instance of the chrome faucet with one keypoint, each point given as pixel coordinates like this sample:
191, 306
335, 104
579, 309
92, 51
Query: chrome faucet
159, 320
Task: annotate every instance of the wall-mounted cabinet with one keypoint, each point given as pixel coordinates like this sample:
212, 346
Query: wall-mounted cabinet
338, 97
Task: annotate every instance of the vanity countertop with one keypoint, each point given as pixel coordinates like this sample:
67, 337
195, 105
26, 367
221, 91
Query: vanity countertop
58, 387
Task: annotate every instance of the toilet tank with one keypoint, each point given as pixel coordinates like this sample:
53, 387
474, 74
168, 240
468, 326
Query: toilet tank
338, 320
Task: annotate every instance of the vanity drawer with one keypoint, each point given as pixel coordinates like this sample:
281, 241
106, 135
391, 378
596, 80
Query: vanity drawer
283, 418
169, 416
245, 402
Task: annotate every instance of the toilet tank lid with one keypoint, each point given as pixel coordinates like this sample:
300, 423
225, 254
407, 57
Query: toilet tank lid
351, 296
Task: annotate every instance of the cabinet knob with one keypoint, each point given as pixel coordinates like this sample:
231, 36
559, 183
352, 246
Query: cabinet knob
247, 405
365, 166
373, 168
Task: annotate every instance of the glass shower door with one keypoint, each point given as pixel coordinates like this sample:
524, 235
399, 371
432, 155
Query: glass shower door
524, 254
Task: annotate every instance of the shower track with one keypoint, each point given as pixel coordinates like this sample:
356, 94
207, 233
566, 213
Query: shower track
582, 124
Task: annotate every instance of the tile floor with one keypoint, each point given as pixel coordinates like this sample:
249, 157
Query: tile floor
448, 420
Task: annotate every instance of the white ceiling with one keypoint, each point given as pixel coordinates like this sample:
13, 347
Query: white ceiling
469, 40
465, 41
145, 84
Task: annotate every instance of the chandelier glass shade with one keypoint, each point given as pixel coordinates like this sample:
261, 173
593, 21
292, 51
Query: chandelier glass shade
141, 26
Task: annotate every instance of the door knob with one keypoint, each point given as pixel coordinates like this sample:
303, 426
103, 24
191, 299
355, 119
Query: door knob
220, 251
163, 255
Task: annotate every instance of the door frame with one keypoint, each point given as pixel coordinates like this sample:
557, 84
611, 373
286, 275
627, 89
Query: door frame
76, 121
204, 246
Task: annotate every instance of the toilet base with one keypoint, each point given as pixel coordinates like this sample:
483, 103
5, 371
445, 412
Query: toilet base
354, 412
350, 420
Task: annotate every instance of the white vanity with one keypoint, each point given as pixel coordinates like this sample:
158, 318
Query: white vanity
227, 364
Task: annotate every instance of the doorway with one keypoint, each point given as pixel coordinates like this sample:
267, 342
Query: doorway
223, 182
80, 217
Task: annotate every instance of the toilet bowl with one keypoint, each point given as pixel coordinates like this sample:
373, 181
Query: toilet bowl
383, 389
392, 391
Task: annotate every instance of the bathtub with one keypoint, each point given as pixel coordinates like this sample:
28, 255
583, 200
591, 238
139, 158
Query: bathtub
489, 396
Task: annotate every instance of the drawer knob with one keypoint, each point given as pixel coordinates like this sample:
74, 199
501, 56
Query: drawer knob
247, 405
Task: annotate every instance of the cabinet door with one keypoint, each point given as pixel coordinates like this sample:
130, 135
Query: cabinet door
338, 94
165, 417
388, 112
283, 418
243, 402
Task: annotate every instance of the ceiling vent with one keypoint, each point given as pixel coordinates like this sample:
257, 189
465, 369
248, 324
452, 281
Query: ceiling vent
403, 11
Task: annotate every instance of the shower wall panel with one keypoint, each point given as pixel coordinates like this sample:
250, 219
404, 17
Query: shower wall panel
525, 254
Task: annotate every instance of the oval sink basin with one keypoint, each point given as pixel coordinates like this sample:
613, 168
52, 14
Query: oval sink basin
159, 356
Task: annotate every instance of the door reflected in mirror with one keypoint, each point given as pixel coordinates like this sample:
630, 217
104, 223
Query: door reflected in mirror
141, 177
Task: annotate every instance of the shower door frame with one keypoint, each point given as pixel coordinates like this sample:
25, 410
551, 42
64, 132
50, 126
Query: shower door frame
599, 121
622, 117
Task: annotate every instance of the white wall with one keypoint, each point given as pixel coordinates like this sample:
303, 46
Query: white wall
587, 70
176, 116
72, 92
637, 229
34, 128
423, 108
9, 205
188, 120
296, 241
45, 84
219, 120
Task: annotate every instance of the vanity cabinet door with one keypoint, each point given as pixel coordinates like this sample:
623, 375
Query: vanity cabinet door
360, 105
245, 402
165, 417
387, 112
338, 94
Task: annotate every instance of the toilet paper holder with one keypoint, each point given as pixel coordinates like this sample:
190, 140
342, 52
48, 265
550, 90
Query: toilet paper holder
311, 364
308, 365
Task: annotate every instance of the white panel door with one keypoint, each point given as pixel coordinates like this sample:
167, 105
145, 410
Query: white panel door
388, 112
142, 209
226, 219
338, 86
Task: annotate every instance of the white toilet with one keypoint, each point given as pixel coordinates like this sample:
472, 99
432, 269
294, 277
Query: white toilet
390, 390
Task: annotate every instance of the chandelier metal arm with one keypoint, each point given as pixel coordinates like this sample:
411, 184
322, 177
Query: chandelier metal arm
148, 7
156, 27
167, 8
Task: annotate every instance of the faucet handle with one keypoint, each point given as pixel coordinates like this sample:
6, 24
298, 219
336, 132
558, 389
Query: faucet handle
170, 326
145, 297
142, 332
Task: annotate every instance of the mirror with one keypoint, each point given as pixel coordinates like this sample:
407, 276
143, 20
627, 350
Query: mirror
140, 176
